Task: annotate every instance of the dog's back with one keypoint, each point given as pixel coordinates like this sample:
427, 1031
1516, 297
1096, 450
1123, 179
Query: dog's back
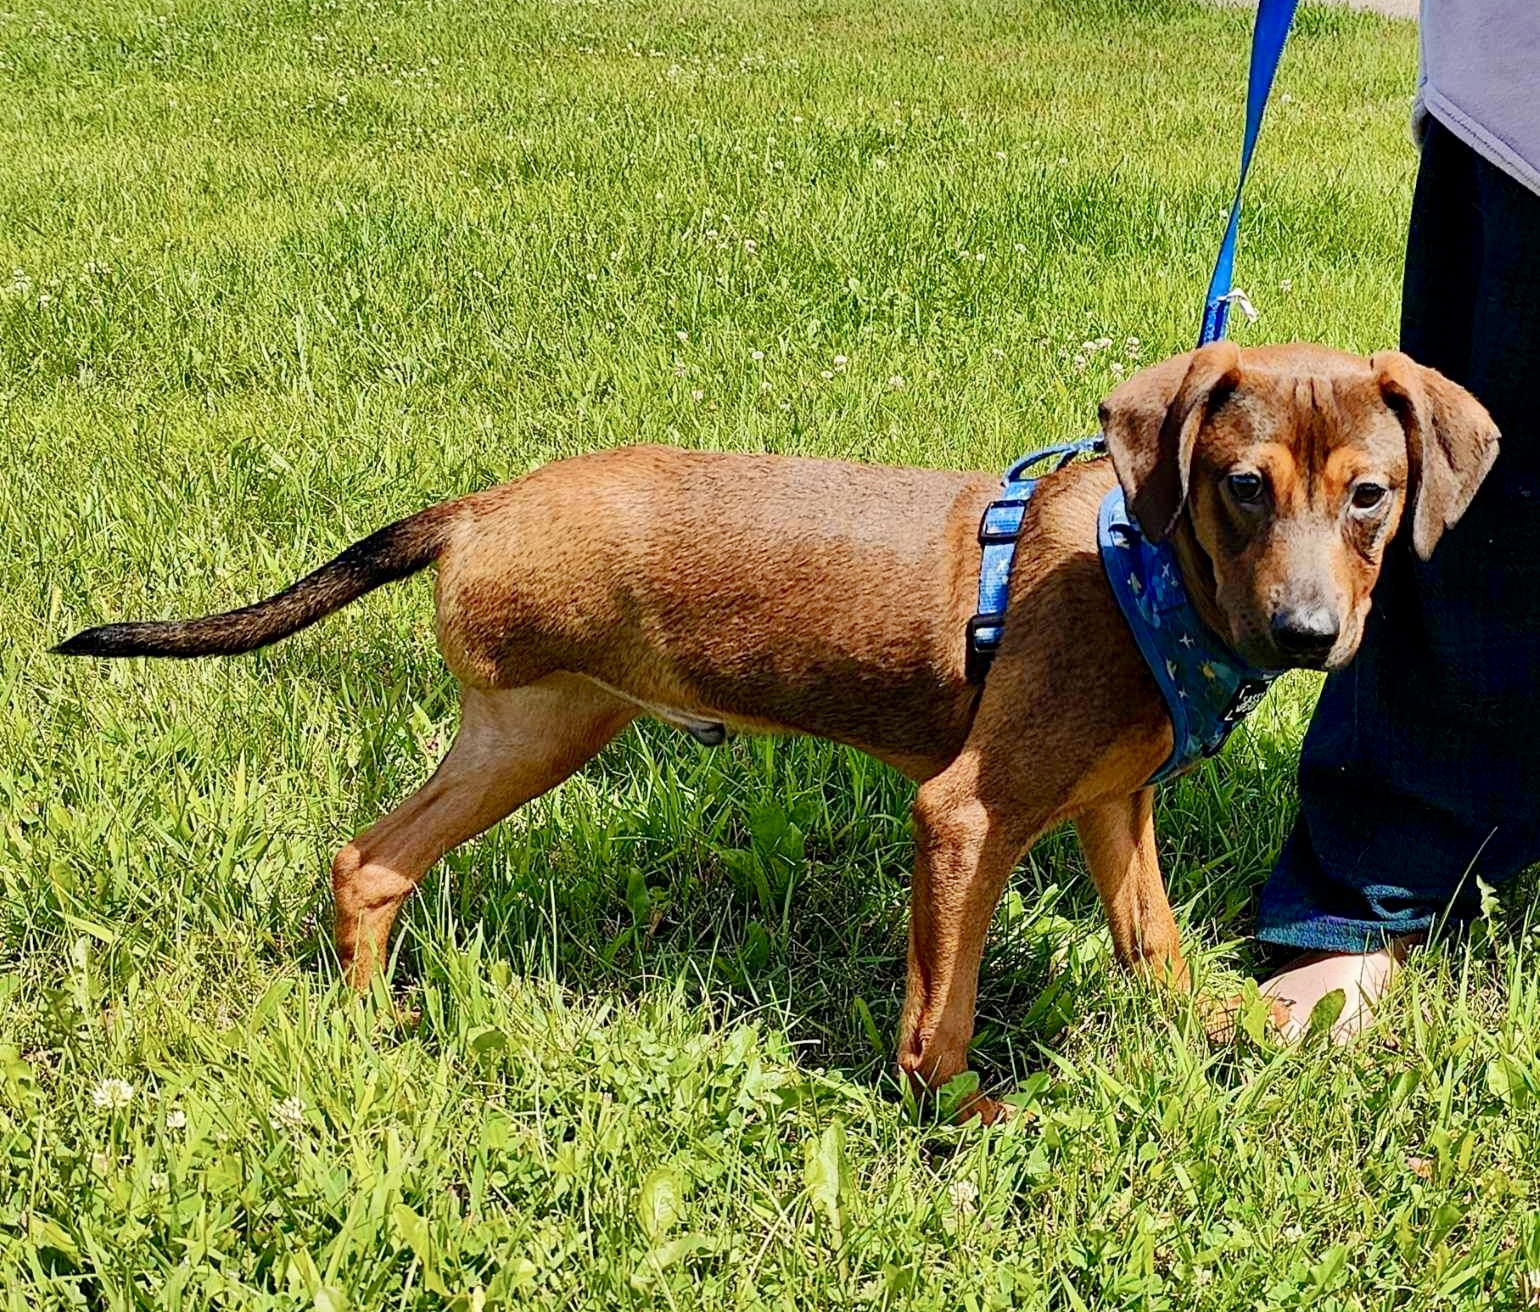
774, 592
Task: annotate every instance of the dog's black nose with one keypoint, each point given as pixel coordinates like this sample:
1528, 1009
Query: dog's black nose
1305, 634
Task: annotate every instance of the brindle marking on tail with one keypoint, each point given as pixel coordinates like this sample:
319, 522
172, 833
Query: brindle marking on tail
391, 553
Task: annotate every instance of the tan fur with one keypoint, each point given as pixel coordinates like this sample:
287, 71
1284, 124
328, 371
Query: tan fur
811, 596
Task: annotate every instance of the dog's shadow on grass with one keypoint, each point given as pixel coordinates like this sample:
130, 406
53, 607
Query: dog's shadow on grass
772, 877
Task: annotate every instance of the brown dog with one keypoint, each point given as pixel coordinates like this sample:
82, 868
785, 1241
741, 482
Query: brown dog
810, 596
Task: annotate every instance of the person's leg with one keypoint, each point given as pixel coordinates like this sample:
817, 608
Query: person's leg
1416, 774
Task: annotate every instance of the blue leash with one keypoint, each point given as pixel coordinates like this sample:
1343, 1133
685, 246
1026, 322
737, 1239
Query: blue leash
1267, 38
1002, 521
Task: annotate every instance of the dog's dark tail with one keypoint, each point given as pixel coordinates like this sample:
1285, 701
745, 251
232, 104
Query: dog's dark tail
392, 553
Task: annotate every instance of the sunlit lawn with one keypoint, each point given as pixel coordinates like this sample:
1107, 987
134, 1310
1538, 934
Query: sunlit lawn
276, 273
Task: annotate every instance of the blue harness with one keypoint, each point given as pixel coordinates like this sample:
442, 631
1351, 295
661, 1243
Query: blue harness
1208, 689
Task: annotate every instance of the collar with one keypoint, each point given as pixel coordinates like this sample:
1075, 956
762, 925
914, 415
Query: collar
1207, 687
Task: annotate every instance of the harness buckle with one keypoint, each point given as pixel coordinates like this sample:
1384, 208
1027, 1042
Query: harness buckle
984, 632
989, 535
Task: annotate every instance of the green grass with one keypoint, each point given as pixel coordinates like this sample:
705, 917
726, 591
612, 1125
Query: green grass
285, 271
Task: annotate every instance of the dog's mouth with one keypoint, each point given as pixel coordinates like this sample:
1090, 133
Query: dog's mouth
1266, 655
1307, 663
1262, 653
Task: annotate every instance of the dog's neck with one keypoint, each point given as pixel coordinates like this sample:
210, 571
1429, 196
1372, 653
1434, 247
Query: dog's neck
1198, 578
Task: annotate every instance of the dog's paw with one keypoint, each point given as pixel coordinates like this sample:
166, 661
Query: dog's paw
986, 1111
1225, 1019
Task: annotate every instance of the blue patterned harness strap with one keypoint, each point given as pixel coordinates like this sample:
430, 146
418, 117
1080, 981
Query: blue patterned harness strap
999, 528
1208, 689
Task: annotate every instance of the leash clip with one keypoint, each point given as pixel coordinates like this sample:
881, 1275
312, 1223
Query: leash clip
1238, 298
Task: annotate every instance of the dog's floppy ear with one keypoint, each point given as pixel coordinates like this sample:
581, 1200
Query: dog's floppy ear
1451, 442
1151, 423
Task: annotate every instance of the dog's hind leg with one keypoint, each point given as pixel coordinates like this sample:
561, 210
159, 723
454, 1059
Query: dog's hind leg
513, 745
1119, 843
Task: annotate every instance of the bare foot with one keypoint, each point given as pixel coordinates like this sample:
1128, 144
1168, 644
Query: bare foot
1359, 978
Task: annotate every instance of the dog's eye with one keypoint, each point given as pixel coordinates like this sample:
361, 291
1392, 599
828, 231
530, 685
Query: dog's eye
1368, 495
1245, 488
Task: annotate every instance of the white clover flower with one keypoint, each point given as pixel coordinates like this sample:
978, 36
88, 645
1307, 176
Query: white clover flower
750, 245
964, 1195
764, 386
879, 163
999, 154
840, 361
826, 373
1286, 285
756, 355
697, 395
112, 1094
896, 382
995, 353
1117, 369
681, 334
1021, 247
287, 1115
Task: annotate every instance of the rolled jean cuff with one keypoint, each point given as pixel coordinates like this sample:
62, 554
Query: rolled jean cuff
1320, 932
1304, 907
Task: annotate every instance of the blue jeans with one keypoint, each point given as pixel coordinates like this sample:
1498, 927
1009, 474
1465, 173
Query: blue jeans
1418, 773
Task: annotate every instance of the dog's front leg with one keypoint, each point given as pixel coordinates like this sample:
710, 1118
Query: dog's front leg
965, 851
1119, 842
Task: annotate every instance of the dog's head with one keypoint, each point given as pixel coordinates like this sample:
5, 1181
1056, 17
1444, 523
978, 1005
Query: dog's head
1294, 466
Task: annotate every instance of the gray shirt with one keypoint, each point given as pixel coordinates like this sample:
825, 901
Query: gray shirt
1480, 78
